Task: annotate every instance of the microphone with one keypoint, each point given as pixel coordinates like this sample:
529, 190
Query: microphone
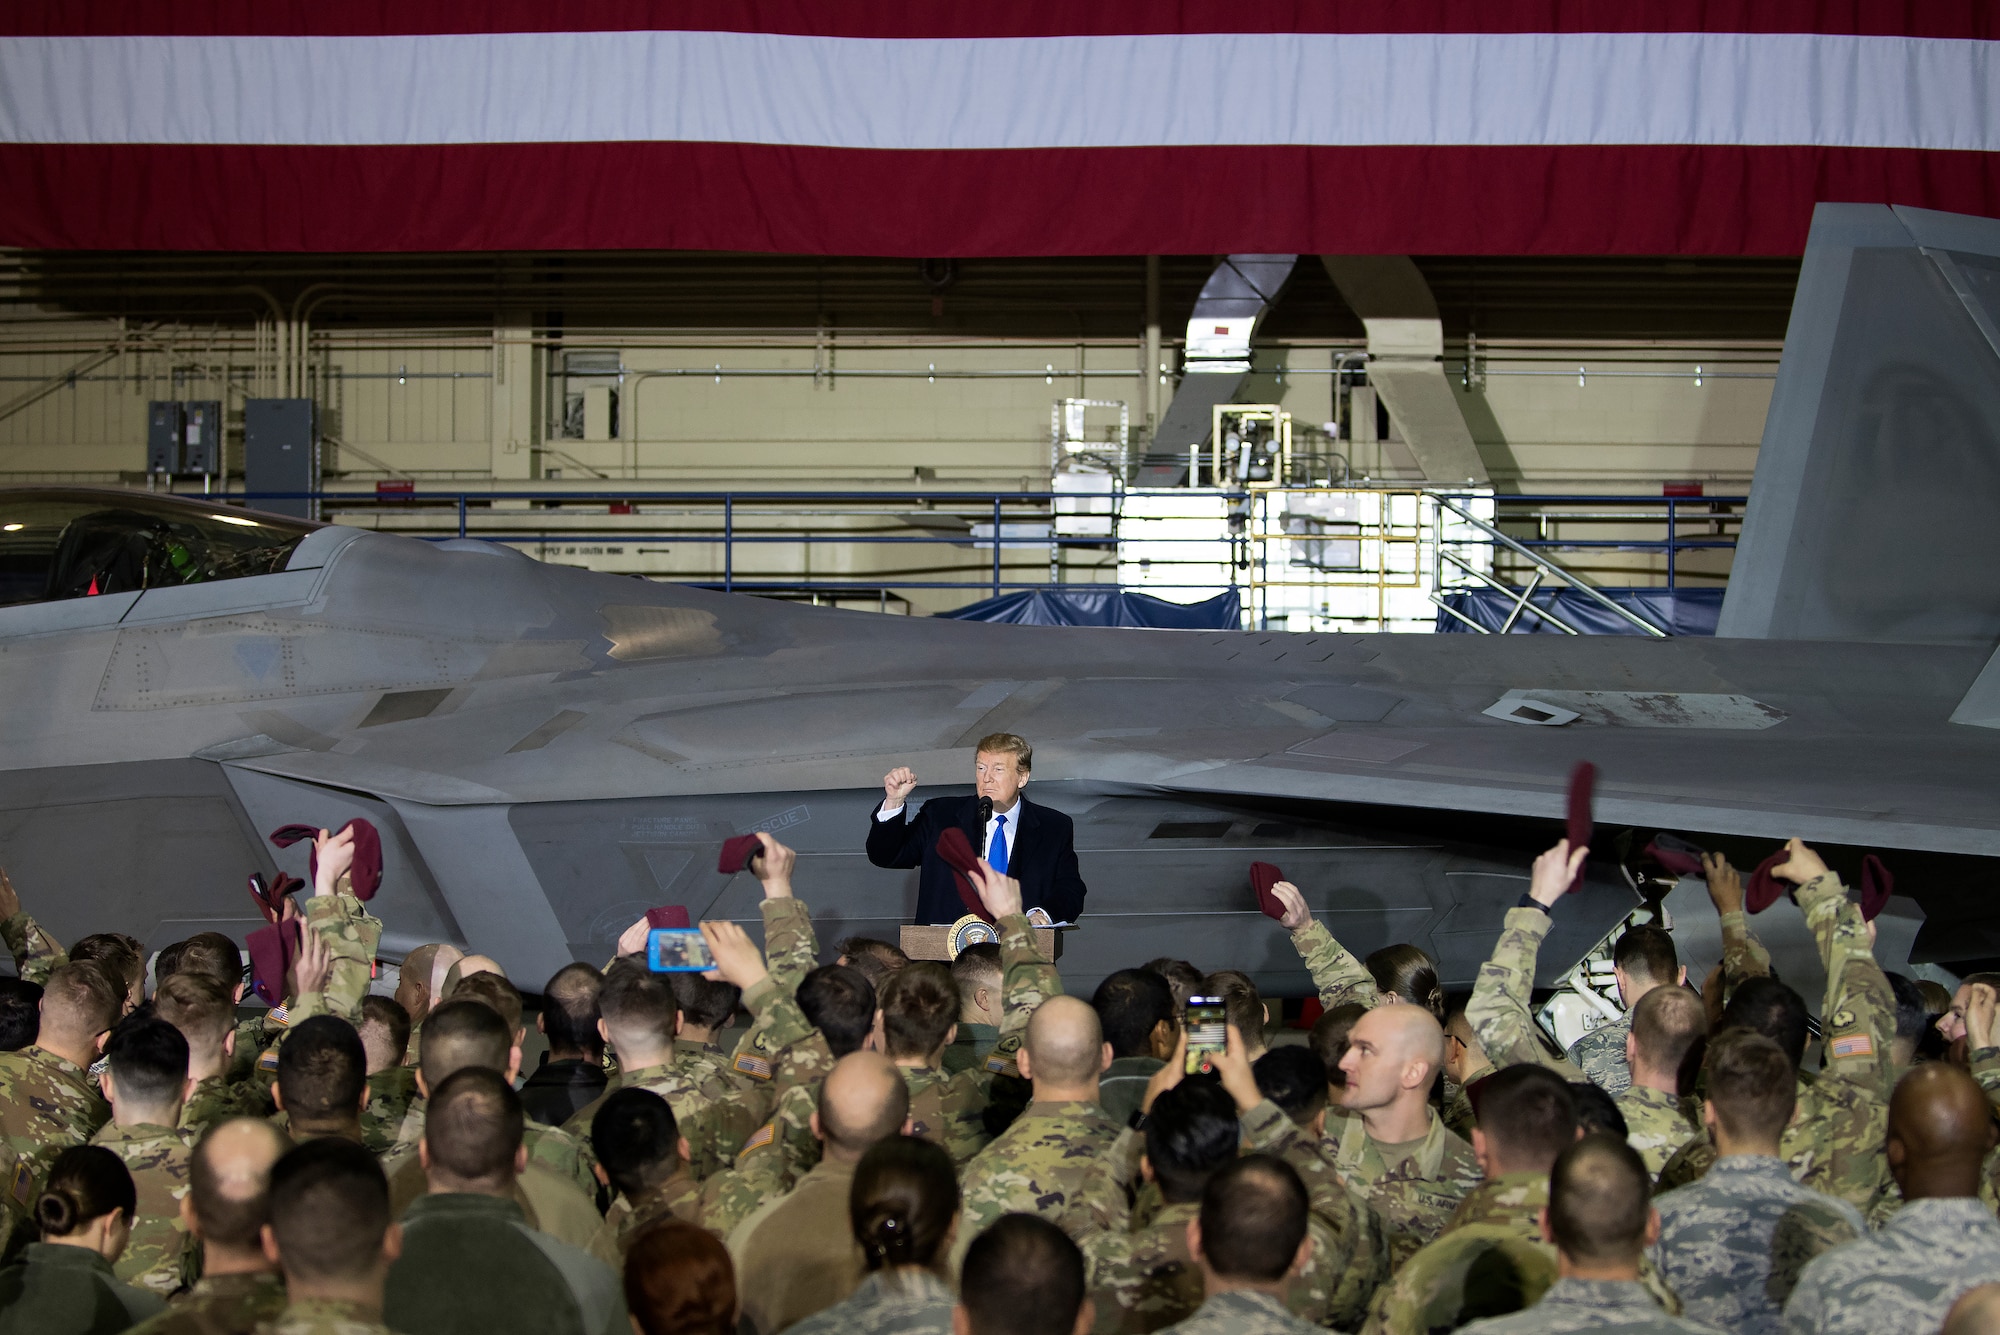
985, 810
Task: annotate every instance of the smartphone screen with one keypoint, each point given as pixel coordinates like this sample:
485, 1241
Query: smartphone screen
677, 950
1207, 1031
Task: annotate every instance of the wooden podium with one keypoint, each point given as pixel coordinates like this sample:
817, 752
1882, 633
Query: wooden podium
933, 942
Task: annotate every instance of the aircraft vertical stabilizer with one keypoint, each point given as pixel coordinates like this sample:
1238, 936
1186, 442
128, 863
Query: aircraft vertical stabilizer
1876, 510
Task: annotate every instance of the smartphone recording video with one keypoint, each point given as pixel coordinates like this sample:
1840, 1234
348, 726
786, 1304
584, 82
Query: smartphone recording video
1207, 1031
677, 950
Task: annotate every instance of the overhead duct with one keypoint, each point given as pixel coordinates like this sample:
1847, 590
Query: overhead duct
1406, 361
1216, 360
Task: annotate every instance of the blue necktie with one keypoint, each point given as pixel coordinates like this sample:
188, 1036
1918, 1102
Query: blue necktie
996, 856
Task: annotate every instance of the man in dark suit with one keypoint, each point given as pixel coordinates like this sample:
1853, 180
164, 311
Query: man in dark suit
1033, 844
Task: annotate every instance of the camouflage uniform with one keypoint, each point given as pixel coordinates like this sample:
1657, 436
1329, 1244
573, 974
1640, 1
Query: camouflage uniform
36, 953
220, 1305
1457, 1113
1600, 1055
970, 1047
1687, 1165
711, 1070
1591, 1304
392, 1094
1339, 976
1657, 1124
1834, 1142
1243, 1312
1733, 1244
1414, 1187
351, 935
946, 1109
1904, 1277
161, 1257
1144, 1277
1035, 1166
47, 1104
325, 1316
1489, 1260
1984, 1063
1499, 1011
679, 1197
250, 1041
718, 1114
904, 1302
1352, 1230
218, 1098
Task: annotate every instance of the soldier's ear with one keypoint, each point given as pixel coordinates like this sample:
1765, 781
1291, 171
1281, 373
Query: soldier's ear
1104, 1060
1549, 1234
1194, 1238
270, 1243
1303, 1256
1652, 1227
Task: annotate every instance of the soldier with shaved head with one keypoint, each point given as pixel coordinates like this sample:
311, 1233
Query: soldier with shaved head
1038, 1162
227, 1206
1945, 1240
1393, 1149
797, 1255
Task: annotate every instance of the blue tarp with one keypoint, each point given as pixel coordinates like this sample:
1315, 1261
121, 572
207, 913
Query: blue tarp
1678, 611
1104, 607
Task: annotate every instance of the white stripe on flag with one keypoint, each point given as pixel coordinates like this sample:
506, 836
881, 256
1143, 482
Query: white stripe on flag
1013, 93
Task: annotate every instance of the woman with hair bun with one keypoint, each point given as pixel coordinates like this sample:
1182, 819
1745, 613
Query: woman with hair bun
63, 1284
1401, 974
904, 1210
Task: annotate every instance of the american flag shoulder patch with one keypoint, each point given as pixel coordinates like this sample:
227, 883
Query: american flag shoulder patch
1852, 1045
998, 1064
269, 1061
765, 1134
23, 1185
750, 1064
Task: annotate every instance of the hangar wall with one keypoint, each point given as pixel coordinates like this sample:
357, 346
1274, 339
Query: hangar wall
884, 408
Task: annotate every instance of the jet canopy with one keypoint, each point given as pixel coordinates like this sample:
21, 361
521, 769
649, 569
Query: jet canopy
57, 544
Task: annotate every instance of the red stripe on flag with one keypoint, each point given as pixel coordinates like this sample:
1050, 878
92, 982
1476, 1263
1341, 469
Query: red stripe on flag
1030, 18
1123, 201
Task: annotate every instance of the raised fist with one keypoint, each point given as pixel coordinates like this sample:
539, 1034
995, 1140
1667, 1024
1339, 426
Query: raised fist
898, 784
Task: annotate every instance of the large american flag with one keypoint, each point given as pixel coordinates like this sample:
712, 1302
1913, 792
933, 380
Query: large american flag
1028, 128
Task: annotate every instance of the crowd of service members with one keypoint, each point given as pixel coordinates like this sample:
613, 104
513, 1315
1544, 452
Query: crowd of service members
898, 1146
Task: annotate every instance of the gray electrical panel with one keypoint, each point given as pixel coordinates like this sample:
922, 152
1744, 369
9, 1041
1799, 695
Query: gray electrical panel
201, 437
281, 454
163, 436
184, 437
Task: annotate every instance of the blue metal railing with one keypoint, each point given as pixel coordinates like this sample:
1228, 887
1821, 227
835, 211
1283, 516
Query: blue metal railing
1670, 545
500, 508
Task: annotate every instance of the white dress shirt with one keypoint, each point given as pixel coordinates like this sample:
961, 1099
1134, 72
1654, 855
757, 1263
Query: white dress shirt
986, 840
